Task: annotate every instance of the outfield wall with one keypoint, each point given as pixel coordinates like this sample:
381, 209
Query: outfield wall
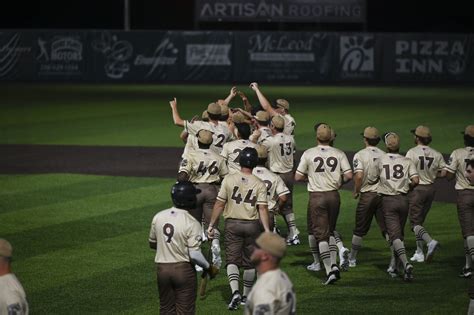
213, 57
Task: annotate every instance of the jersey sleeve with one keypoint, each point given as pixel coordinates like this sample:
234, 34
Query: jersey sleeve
194, 234
263, 303
223, 169
358, 163
222, 195
452, 165
192, 127
225, 151
185, 165
441, 162
345, 166
412, 172
152, 235
302, 168
262, 194
280, 188
411, 155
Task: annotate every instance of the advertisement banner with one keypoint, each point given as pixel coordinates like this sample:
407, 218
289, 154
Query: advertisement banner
313, 11
135, 56
283, 56
16, 56
426, 58
359, 57
208, 56
60, 55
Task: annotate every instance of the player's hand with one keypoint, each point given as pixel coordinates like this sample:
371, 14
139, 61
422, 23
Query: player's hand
233, 91
242, 95
355, 195
211, 272
210, 232
174, 103
254, 86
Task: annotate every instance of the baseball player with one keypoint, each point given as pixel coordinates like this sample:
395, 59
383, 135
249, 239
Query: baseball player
243, 201
429, 164
365, 163
397, 175
231, 150
470, 177
282, 109
456, 168
220, 130
176, 237
205, 169
277, 192
190, 140
273, 292
12, 296
325, 168
262, 130
281, 150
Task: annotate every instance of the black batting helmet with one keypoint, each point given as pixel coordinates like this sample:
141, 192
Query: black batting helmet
184, 194
248, 157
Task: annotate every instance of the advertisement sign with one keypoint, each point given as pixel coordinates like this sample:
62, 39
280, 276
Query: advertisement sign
327, 11
426, 58
268, 56
357, 57
208, 56
136, 56
60, 55
15, 56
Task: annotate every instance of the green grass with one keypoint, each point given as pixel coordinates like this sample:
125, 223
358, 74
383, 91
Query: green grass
81, 247
139, 115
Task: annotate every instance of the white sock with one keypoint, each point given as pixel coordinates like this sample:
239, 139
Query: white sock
248, 277
233, 276
356, 245
325, 255
313, 246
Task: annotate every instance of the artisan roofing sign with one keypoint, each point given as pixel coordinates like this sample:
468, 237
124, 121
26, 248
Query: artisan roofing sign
328, 11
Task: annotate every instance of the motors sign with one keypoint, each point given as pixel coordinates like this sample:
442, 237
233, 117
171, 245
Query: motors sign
328, 11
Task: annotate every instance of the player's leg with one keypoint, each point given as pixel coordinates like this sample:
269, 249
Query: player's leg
432, 244
465, 204
211, 194
313, 244
333, 202
320, 220
363, 219
343, 251
185, 284
287, 211
233, 252
415, 199
253, 230
165, 288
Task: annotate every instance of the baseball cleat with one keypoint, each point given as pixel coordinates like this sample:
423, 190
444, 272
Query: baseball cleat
418, 257
432, 247
352, 263
465, 273
235, 301
243, 300
314, 267
392, 272
408, 275
344, 259
331, 278
295, 240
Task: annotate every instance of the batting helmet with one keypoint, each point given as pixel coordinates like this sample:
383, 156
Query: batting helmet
184, 194
248, 157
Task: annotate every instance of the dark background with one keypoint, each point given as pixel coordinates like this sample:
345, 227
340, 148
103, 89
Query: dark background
382, 16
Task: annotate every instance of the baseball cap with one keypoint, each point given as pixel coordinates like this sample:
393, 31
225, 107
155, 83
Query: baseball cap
239, 118
205, 115
262, 116
370, 133
323, 132
214, 109
282, 103
392, 141
224, 110
278, 122
6, 248
204, 136
469, 131
422, 131
272, 243
262, 151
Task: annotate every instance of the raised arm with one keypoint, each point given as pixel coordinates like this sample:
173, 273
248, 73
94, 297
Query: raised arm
262, 99
232, 94
174, 109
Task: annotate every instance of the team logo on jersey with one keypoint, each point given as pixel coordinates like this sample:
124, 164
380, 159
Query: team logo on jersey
356, 163
450, 160
184, 162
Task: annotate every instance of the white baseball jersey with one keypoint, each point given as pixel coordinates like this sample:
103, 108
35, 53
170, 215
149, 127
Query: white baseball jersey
324, 166
203, 166
242, 193
281, 149
12, 296
191, 144
366, 161
265, 132
221, 133
290, 125
428, 162
272, 294
395, 173
175, 232
457, 165
275, 185
231, 153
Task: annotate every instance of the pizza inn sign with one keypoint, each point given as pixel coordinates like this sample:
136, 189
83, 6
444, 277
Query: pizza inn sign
430, 57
